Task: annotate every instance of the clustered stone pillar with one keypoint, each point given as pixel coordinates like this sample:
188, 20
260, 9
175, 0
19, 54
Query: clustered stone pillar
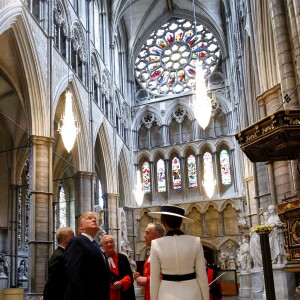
113, 204
40, 189
84, 192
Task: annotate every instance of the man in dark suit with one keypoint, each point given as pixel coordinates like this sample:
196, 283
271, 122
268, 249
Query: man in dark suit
86, 266
56, 284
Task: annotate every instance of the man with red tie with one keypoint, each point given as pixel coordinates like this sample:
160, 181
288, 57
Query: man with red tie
121, 279
153, 231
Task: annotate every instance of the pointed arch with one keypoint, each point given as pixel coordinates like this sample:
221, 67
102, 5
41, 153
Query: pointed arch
124, 175
109, 159
83, 139
14, 18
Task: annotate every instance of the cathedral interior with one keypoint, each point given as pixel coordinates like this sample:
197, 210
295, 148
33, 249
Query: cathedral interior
125, 73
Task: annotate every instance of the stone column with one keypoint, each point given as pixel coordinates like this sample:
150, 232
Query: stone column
284, 51
199, 172
165, 135
203, 223
41, 197
152, 180
169, 180
113, 204
233, 168
272, 183
84, 192
217, 173
221, 222
183, 171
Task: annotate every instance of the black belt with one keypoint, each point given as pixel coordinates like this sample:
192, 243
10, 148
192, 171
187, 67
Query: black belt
182, 277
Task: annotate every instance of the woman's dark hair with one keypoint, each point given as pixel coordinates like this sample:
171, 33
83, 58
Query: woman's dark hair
171, 221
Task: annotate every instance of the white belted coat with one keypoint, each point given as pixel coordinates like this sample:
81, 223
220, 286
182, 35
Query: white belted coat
177, 255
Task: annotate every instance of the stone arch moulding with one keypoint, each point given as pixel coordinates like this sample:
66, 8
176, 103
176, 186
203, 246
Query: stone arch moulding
189, 148
173, 106
83, 138
215, 205
177, 150
227, 142
143, 156
189, 208
143, 111
14, 18
123, 163
109, 159
233, 203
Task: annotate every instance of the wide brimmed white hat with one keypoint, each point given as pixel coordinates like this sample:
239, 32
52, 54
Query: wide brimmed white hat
171, 210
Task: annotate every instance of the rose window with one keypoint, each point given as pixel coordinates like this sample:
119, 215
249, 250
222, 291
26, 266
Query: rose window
166, 62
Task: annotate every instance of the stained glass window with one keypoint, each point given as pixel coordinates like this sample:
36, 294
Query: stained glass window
146, 178
61, 209
192, 171
208, 174
24, 209
161, 176
176, 174
166, 62
225, 167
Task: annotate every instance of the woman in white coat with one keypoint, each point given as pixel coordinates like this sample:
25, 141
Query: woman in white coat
178, 270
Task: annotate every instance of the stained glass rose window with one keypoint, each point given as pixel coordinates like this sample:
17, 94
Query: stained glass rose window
166, 62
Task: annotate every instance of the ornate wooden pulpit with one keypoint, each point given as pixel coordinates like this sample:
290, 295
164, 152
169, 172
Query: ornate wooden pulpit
289, 214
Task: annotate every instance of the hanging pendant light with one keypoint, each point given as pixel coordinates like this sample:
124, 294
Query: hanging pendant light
201, 102
67, 126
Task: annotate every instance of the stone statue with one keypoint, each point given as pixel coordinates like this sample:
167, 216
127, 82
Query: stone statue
223, 260
23, 271
3, 269
242, 220
255, 250
126, 249
276, 237
231, 262
244, 256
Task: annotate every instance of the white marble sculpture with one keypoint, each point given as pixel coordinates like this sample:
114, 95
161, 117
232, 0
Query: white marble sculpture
276, 237
255, 250
244, 258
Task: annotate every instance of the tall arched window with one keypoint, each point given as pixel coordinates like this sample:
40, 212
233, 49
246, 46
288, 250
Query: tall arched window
60, 210
208, 174
23, 209
161, 176
146, 178
99, 202
176, 173
192, 171
225, 167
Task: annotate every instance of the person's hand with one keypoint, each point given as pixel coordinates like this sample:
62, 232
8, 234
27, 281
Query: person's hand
136, 274
42, 298
116, 285
141, 280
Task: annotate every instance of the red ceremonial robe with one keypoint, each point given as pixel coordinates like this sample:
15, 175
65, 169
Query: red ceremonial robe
121, 271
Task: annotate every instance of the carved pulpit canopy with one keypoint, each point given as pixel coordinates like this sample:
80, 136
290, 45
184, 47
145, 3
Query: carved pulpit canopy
274, 138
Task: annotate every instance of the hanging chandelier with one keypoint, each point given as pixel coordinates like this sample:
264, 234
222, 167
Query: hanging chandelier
67, 126
201, 102
138, 191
